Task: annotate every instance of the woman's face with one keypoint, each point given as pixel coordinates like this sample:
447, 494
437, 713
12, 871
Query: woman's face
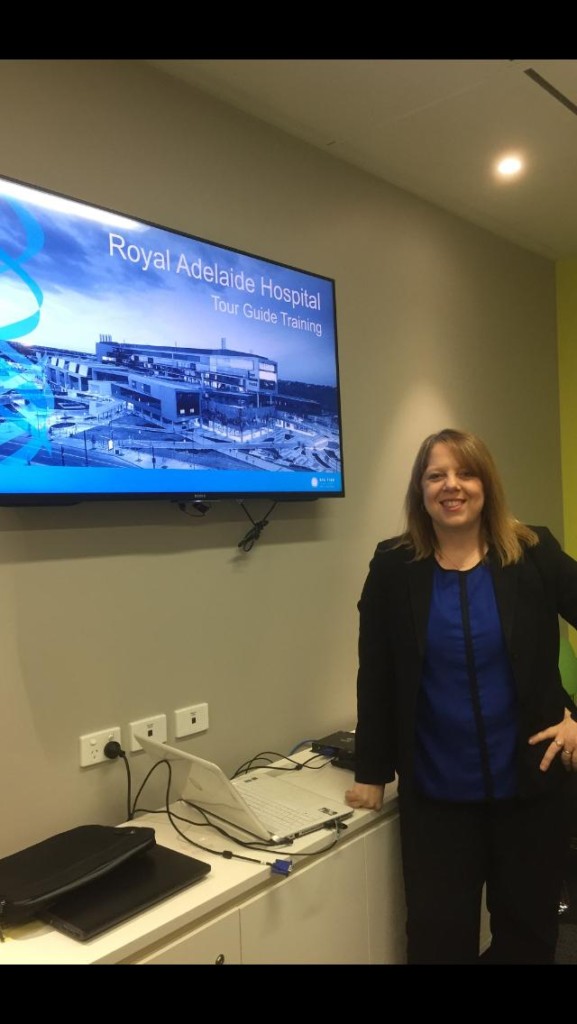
453, 496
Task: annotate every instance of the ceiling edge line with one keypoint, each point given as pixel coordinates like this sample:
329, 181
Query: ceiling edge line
544, 84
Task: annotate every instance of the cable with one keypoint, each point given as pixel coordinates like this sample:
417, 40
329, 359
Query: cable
279, 866
258, 847
114, 750
269, 756
314, 757
297, 766
297, 746
249, 844
282, 865
253, 534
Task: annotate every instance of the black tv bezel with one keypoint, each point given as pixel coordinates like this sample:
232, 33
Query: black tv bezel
42, 498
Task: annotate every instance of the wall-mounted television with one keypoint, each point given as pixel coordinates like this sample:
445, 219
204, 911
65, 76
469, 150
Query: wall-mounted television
140, 361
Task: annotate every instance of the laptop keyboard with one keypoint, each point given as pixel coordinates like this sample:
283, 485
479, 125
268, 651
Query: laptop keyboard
278, 818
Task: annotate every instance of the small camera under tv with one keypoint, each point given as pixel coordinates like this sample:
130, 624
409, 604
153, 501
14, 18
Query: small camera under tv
142, 361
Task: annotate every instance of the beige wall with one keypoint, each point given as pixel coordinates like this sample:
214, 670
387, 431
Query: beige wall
114, 612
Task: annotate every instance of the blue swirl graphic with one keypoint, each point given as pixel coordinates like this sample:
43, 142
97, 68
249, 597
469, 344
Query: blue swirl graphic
26, 401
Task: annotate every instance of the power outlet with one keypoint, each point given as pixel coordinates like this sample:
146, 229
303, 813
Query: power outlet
92, 746
154, 727
190, 720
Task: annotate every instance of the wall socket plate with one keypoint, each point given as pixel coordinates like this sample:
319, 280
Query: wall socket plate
154, 727
93, 743
190, 720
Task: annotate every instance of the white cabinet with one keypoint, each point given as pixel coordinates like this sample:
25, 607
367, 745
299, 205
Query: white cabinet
217, 942
316, 916
342, 904
385, 894
345, 906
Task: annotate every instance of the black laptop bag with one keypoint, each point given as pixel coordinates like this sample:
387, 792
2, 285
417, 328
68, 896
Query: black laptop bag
33, 878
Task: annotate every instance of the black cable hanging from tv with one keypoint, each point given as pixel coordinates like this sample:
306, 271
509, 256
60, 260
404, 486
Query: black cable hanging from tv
256, 529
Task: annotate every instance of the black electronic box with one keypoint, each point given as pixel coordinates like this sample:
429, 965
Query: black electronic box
339, 746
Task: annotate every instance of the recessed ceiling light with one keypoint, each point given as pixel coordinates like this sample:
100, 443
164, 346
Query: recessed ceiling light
509, 166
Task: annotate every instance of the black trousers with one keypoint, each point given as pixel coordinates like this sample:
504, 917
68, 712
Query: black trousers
517, 848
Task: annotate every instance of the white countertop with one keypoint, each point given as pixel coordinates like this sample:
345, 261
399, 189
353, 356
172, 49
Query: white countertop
228, 881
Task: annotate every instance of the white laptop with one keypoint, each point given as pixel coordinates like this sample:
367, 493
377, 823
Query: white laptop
261, 804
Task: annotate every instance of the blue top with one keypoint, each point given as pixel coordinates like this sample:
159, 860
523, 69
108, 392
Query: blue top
466, 721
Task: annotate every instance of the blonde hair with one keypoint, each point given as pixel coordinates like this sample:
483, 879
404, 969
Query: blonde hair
500, 530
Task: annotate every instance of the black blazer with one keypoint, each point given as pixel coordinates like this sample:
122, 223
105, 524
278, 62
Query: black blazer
394, 610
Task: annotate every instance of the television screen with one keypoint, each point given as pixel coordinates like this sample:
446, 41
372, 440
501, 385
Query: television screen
138, 361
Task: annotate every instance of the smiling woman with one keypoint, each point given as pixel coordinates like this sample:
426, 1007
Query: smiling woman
453, 496
459, 695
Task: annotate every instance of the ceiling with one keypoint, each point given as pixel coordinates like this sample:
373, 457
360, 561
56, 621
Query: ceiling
432, 127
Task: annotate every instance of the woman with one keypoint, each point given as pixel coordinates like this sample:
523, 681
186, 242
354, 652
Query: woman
459, 695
